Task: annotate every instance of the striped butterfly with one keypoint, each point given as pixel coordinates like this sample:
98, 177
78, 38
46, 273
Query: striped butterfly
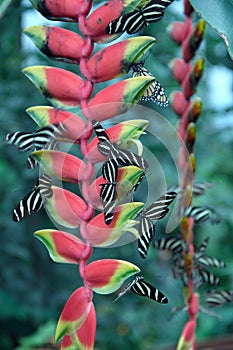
34, 200
105, 146
116, 157
173, 244
155, 211
108, 190
109, 172
142, 16
218, 298
208, 277
155, 91
112, 151
44, 138
198, 189
200, 276
201, 214
210, 261
143, 288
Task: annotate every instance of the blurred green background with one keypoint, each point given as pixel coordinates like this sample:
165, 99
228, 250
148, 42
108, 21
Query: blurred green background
33, 289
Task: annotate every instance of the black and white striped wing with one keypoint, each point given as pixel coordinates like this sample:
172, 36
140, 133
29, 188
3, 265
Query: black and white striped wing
202, 214
159, 208
154, 10
34, 200
108, 196
128, 287
126, 158
173, 244
30, 204
219, 298
131, 23
199, 188
210, 261
203, 245
110, 171
43, 137
108, 190
146, 232
145, 289
100, 132
209, 277
24, 141
202, 248
45, 186
134, 21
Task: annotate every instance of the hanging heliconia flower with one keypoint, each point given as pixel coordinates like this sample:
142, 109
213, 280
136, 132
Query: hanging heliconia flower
97, 214
101, 215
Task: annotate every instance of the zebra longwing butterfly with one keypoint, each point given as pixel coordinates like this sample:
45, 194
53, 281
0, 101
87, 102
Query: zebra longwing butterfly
44, 138
155, 91
173, 244
143, 288
26, 141
116, 156
108, 190
34, 200
209, 277
218, 298
201, 214
155, 211
142, 16
198, 189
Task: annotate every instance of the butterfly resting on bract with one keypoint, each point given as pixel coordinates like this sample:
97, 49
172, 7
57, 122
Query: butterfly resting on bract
35, 199
146, 13
155, 92
115, 157
145, 289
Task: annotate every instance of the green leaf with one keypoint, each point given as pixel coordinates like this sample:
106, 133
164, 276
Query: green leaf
218, 14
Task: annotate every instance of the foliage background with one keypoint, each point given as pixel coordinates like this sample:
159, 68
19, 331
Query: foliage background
34, 289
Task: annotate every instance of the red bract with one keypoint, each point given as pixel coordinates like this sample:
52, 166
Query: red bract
62, 246
62, 165
122, 55
74, 313
106, 275
75, 127
62, 88
66, 208
118, 98
84, 338
64, 10
57, 42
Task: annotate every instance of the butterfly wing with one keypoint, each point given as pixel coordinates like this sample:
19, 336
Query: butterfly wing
24, 141
219, 298
159, 208
108, 196
146, 233
126, 158
173, 244
146, 289
30, 204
